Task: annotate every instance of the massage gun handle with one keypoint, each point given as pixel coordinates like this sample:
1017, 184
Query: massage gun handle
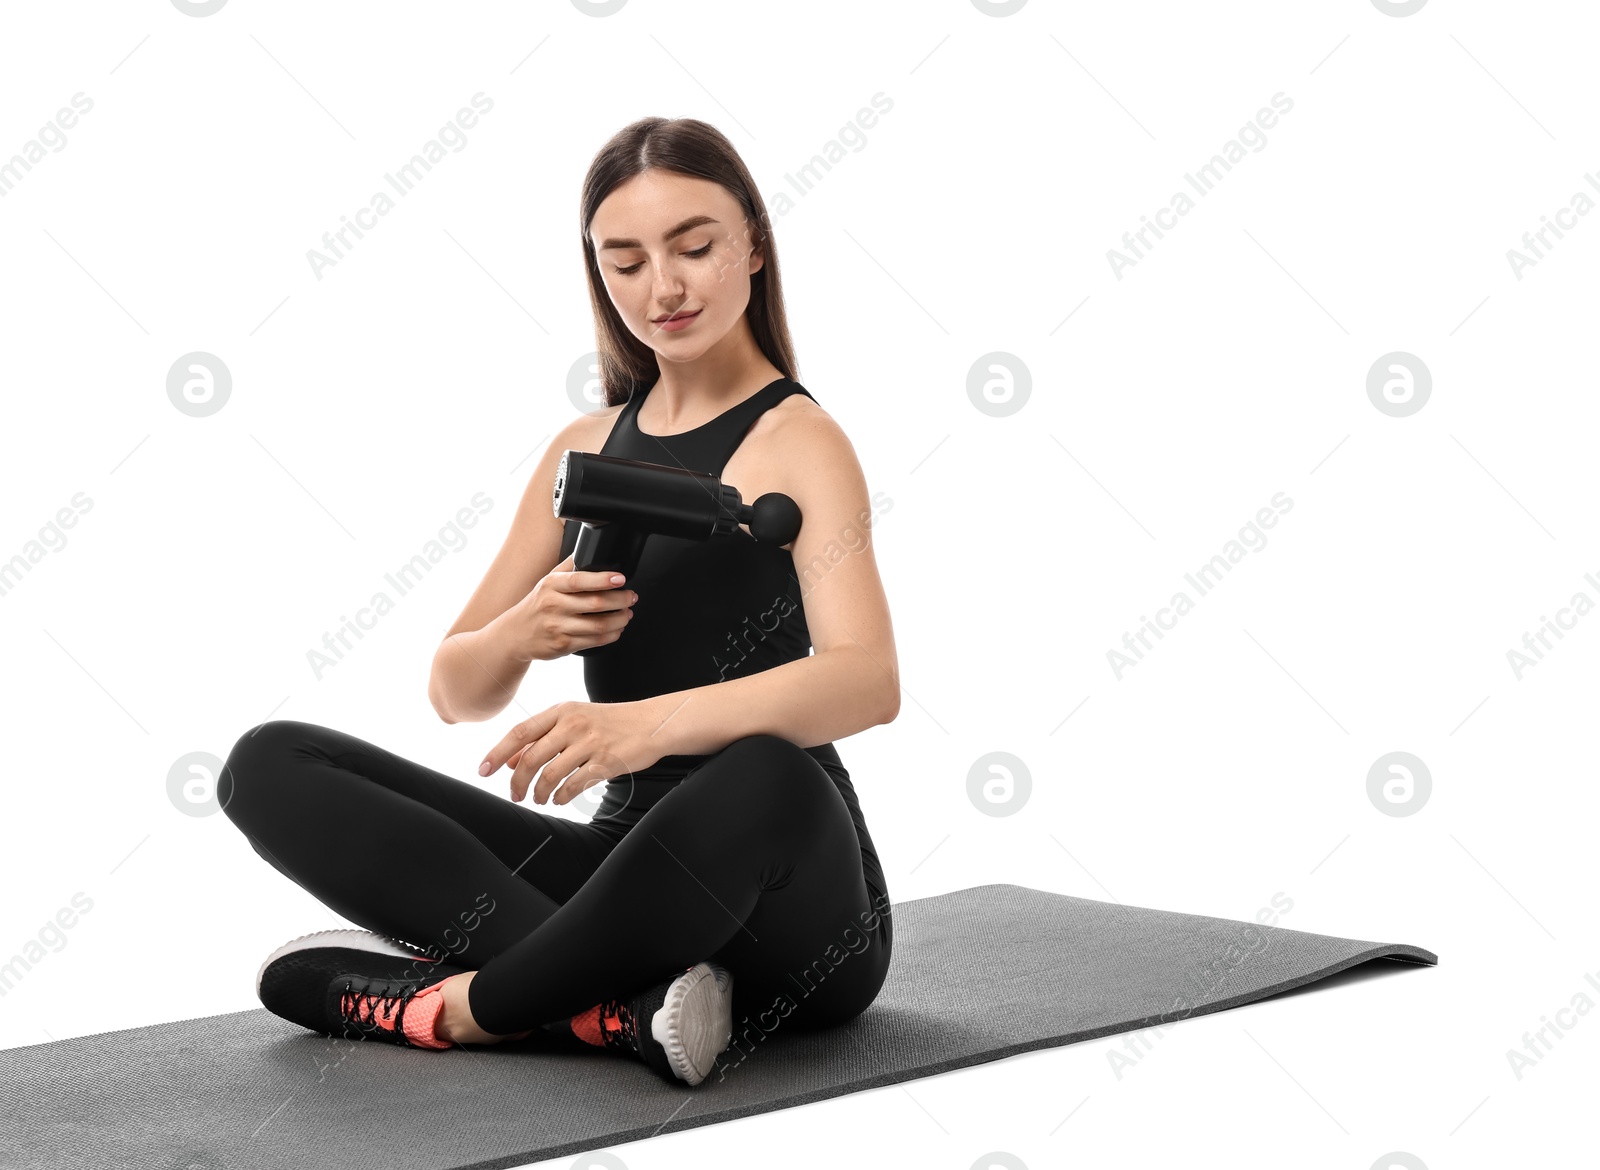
608, 548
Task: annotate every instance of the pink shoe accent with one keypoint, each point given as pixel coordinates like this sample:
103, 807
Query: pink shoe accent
421, 1014
586, 1026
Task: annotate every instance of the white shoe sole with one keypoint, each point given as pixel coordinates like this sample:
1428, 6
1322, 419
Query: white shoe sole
360, 940
695, 1024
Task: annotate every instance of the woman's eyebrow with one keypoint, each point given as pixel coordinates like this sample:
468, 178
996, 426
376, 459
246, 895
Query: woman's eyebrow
689, 224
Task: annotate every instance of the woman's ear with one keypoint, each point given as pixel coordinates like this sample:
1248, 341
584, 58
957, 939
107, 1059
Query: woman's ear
756, 258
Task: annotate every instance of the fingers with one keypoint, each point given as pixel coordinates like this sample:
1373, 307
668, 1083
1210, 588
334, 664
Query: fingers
551, 767
612, 599
544, 752
542, 764
585, 580
522, 774
524, 734
595, 622
564, 776
570, 773
549, 776
533, 757
579, 782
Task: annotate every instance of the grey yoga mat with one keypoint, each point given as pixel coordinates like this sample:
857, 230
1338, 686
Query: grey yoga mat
977, 975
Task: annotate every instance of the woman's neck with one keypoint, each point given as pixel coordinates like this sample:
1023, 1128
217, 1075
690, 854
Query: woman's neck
685, 395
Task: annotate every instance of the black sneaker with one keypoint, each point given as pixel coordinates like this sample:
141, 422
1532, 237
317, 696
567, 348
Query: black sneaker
352, 984
679, 1026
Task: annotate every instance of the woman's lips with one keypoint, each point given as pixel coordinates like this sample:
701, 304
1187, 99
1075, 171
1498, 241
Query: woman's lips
674, 324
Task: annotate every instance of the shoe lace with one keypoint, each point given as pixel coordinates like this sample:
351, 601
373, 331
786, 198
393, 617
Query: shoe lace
361, 1009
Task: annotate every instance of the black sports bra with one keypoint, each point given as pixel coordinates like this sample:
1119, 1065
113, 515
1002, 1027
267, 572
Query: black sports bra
708, 610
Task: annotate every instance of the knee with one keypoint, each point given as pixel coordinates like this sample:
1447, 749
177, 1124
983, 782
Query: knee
769, 756
764, 745
259, 752
769, 764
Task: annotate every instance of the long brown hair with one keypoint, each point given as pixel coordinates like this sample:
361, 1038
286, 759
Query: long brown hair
698, 149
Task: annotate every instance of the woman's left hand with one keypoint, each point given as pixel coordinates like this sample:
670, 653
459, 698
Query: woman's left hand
584, 743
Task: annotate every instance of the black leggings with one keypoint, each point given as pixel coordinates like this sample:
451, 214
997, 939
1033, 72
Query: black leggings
751, 861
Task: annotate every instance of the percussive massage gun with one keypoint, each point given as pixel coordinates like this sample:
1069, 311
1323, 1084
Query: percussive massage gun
622, 501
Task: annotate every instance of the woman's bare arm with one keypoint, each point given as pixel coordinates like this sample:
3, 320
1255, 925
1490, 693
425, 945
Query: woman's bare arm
852, 681
483, 657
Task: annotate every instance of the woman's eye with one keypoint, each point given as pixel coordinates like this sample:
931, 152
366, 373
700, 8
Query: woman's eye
696, 254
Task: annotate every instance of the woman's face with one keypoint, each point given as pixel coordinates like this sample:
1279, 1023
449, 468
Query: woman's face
669, 243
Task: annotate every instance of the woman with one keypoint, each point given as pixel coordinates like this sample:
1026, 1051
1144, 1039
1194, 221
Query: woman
728, 872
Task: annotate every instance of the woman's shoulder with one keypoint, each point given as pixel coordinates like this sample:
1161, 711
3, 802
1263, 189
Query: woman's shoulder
590, 430
803, 439
797, 448
795, 417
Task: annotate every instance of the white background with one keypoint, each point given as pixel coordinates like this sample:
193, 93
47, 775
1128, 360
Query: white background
1166, 408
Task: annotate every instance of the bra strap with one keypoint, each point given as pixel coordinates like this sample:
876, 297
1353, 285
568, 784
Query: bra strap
623, 423
743, 417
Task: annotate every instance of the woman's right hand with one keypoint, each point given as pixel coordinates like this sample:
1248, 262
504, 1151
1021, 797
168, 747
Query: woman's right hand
570, 610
